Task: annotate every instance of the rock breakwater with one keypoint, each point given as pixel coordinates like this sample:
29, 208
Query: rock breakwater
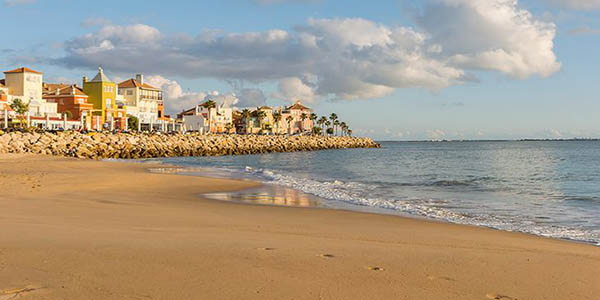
133, 146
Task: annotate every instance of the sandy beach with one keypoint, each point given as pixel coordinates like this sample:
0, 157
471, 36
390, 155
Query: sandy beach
83, 229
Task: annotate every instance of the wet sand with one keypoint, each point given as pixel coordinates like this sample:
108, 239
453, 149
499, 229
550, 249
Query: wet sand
77, 229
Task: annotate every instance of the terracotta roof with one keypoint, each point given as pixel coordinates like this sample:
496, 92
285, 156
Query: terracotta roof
51, 87
64, 90
297, 105
22, 70
132, 83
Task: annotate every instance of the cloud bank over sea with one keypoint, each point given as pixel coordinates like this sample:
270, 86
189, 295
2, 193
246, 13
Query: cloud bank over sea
336, 58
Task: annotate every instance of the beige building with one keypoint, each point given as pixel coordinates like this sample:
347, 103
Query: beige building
143, 101
26, 84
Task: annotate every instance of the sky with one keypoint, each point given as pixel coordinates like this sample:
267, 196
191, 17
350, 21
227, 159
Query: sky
392, 70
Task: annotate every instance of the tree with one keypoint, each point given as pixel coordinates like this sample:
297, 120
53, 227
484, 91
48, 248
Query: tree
289, 120
336, 123
333, 117
132, 122
209, 104
260, 115
330, 131
276, 119
344, 127
349, 132
313, 117
20, 108
317, 131
303, 117
327, 124
228, 127
246, 118
322, 122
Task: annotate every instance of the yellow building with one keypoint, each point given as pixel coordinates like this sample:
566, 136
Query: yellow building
102, 93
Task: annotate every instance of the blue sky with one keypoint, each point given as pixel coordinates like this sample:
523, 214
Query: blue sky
394, 70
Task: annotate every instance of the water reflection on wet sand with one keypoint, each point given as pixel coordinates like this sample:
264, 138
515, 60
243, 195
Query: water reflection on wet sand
268, 195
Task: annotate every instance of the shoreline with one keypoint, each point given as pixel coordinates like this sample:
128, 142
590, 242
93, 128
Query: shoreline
81, 229
239, 196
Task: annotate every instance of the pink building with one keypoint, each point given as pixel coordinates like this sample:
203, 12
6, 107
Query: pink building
297, 124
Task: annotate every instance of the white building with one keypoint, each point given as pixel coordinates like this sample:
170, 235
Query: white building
26, 84
208, 120
143, 101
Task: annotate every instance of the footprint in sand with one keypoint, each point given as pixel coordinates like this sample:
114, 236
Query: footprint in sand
13, 293
431, 277
265, 249
495, 296
375, 268
326, 255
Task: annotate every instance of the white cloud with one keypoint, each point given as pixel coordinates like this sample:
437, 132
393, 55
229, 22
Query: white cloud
350, 58
492, 35
18, 2
436, 134
556, 133
294, 88
176, 100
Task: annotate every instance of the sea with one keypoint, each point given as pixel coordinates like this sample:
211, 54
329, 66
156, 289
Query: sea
546, 188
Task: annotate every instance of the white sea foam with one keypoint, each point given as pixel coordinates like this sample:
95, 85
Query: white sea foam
356, 193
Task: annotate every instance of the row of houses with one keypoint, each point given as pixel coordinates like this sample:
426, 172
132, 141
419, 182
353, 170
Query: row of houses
101, 104
212, 118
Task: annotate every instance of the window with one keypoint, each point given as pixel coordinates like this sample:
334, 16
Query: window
129, 92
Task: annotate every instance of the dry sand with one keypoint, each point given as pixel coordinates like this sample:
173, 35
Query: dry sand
74, 229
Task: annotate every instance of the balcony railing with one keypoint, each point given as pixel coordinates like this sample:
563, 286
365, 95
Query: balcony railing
159, 98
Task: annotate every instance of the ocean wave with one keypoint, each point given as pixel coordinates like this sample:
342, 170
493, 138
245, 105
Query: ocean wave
360, 194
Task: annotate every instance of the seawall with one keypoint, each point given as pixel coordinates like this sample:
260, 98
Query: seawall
127, 145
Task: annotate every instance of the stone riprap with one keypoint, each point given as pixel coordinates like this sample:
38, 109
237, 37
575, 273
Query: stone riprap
106, 145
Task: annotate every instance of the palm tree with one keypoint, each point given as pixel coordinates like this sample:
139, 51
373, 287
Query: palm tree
333, 117
349, 132
321, 123
289, 120
327, 124
317, 131
260, 115
303, 117
246, 117
276, 119
344, 127
209, 104
336, 123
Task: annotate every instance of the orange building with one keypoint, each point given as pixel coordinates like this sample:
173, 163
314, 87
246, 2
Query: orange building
70, 100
